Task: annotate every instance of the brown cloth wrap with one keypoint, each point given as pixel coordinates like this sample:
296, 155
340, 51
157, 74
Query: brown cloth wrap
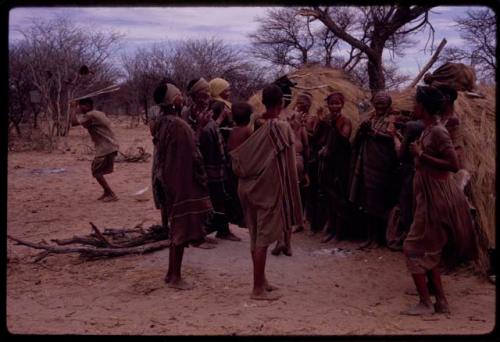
442, 228
268, 183
181, 178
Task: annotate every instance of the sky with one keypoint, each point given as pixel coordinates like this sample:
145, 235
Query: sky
143, 26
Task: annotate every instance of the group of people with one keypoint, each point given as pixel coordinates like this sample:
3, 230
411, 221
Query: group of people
217, 162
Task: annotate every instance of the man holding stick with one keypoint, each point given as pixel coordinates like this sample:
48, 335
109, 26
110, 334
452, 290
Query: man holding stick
106, 145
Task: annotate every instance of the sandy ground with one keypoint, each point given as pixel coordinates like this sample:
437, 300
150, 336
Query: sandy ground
348, 293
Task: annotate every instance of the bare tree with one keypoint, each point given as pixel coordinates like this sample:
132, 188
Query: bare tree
143, 71
181, 62
478, 29
210, 58
382, 27
19, 88
283, 38
53, 53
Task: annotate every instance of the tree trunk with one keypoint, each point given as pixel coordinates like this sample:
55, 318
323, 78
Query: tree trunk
376, 78
304, 56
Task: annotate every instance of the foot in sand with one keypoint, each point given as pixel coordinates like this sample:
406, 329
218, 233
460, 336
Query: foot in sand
265, 295
442, 307
286, 250
211, 240
276, 250
328, 238
230, 237
270, 287
203, 245
366, 245
418, 310
102, 196
180, 284
110, 198
298, 229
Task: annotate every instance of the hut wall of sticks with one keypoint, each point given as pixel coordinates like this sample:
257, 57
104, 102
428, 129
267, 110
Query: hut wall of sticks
477, 116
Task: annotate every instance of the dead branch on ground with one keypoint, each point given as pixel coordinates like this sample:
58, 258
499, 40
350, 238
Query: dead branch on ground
111, 242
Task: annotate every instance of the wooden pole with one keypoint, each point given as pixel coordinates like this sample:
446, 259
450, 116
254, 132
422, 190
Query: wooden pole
429, 64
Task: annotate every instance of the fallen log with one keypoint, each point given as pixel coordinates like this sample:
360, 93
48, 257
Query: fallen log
119, 242
95, 251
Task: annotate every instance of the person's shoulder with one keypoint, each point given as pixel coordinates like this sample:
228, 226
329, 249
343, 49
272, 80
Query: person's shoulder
345, 119
453, 121
96, 112
97, 116
282, 124
439, 131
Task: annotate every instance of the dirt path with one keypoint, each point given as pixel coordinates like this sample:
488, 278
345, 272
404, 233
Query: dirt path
354, 293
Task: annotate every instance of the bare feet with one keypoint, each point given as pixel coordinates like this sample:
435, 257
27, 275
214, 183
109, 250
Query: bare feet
328, 238
230, 237
211, 240
269, 287
419, 309
102, 196
299, 229
366, 245
110, 198
203, 245
265, 295
277, 250
286, 250
442, 307
180, 284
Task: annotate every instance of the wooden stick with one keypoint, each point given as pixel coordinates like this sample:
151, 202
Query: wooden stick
96, 252
311, 88
429, 64
101, 237
106, 90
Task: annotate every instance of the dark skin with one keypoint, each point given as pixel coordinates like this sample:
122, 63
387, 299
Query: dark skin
238, 135
382, 106
108, 194
431, 278
176, 253
335, 105
201, 100
261, 288
173, 277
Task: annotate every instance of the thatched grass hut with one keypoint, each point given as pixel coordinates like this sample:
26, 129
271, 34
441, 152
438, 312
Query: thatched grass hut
477, 116
320, 81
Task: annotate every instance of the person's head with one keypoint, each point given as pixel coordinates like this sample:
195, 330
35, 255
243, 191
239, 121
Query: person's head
382, 102
285, 84
241, 113
86, 105
304, 102
450, 95
219, 87
335, 102
168, 96
199, 90
429, 102
272, 98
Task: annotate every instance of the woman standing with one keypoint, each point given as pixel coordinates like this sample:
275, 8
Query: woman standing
442, 228
375, 164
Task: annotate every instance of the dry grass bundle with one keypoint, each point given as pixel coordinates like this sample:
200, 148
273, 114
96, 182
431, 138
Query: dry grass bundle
321, 81
477, 117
